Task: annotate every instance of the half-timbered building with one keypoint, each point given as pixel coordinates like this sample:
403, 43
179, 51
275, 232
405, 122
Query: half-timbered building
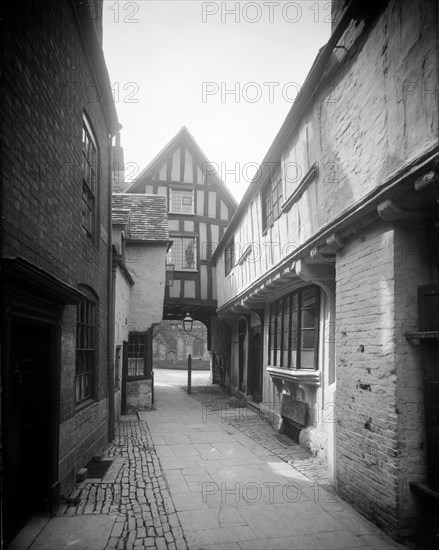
199, 209
332, 258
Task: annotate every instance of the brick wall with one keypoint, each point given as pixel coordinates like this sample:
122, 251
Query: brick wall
367, 446
413, 268
48, 86
380, 433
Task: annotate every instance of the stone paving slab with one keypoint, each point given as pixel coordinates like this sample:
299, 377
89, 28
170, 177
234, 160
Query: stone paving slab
245, 488
187, 477
78, 533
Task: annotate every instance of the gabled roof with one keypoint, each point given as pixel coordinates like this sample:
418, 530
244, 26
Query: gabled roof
182, 136
148, 215
307, 94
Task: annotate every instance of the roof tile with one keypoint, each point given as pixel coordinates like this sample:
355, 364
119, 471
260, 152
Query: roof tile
149, 218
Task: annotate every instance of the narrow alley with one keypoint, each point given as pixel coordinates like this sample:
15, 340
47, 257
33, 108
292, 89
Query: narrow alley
197, 473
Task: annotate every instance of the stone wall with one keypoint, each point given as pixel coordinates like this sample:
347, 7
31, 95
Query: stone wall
139, 396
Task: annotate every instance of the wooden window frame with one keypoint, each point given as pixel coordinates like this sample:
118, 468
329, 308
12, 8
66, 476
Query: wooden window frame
229, 256
173, 261
145, 342
89, 170
271, 201
86, 352
174, 190
282, 309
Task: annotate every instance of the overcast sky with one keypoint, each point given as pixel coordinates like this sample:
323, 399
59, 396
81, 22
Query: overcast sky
228, 71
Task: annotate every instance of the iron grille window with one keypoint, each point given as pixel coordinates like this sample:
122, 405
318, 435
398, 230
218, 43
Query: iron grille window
181, 202
183, 253
89, 178
85, 350
294, 330
230, 256
271, 201
136, 355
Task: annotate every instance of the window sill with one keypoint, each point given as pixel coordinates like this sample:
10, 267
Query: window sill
79, 407
244, 255
304, 376
181, 213
185, 270
306, 180
138, 378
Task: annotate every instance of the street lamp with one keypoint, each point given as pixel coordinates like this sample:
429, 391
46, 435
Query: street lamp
187, 323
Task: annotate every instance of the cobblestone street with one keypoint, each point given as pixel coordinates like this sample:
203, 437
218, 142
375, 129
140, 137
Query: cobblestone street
136, 490
198, 472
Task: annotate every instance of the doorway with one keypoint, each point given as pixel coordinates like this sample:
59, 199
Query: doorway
242, 335
255, 365
29, 424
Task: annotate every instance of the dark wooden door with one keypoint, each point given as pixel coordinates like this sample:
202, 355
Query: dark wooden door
429, 325
241, 353
28, 424
255, 366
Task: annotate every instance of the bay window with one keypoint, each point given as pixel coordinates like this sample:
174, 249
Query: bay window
294, 329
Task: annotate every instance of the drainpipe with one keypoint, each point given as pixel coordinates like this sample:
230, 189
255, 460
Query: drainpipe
111, 303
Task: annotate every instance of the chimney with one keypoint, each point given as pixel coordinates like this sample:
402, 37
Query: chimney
117, 167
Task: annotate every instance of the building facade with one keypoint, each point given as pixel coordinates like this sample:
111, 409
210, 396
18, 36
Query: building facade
58, 120
199, 208
330, 264
140, 245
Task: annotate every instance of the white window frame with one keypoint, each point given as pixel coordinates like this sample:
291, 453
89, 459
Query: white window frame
191, 191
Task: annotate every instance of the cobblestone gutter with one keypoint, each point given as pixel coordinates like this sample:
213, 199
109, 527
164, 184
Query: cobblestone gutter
135, 490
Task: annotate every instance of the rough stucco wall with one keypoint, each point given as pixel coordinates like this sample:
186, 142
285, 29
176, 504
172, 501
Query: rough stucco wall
371, 118
382, 111
147, 267
121, 328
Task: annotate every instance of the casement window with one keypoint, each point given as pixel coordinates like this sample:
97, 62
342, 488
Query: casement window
181, 201
183, 253
89, 178
294, 330
230, 256
137, 348
85, 350
271, 201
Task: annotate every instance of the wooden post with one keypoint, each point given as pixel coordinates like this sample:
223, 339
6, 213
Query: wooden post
152, 387
189, 373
